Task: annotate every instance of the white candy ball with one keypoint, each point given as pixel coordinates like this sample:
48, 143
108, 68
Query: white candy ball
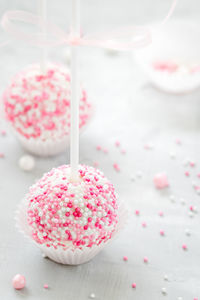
27, 163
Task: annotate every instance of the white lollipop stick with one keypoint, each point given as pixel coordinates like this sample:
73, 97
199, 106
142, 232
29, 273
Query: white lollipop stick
42, 4
75, 92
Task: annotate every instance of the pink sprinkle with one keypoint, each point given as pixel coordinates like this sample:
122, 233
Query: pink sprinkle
116, 167
137, 212
146, 259
187, 173
162, 232
198, 175
191, 208
161, 181
98, 148
18, 282
123, 151
178, 142
2, 155
105, 150
184, 246
165, 66
46, 286
133, 285
117, 143
125, 258
95, 164
147, 147
3, 132
144, 224
161, 214
195, 298
192, 163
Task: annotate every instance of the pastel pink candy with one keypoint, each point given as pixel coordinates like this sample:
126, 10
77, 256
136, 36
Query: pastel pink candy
161, 181
18, 282
165, 66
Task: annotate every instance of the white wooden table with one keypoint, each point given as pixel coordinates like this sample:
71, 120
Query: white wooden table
127, 109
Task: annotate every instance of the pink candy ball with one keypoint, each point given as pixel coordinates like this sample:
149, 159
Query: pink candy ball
161, 181
68, 215
37, 105
18, 282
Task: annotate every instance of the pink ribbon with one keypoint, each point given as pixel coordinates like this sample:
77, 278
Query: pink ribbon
124, 39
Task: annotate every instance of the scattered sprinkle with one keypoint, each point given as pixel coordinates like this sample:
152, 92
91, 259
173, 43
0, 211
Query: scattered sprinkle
137, 212
182, 201
125, 258
18, 282
165, 277
117, 143
105, 151
178, 142
187, 173
46, 286
146, 260
184, 247
133, 285
161, 214
187, 232
3, 132
92, 296
98, 148
162, 232
144, 224
132, 178
148, 146
123, 151
116, 167
161, 181
95, 164
139, 174
172, 155
164, 291
27, 163
172, 198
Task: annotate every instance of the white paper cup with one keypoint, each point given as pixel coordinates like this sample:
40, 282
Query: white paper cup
43, 148
67, 257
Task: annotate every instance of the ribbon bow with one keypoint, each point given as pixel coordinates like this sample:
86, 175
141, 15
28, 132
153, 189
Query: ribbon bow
125, 39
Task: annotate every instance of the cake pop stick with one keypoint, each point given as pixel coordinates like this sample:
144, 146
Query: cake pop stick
74, 131
42, 8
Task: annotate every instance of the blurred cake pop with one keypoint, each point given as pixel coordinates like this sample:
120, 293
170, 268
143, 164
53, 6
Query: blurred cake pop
37, 105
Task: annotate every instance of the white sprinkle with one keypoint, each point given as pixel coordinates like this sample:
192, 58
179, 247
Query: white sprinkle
182, 201
172, 155
92, 296
164, 291
191, 215
187, 232
27, 162
132, 178
139, 174
172, 198
186, 162
165, 277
